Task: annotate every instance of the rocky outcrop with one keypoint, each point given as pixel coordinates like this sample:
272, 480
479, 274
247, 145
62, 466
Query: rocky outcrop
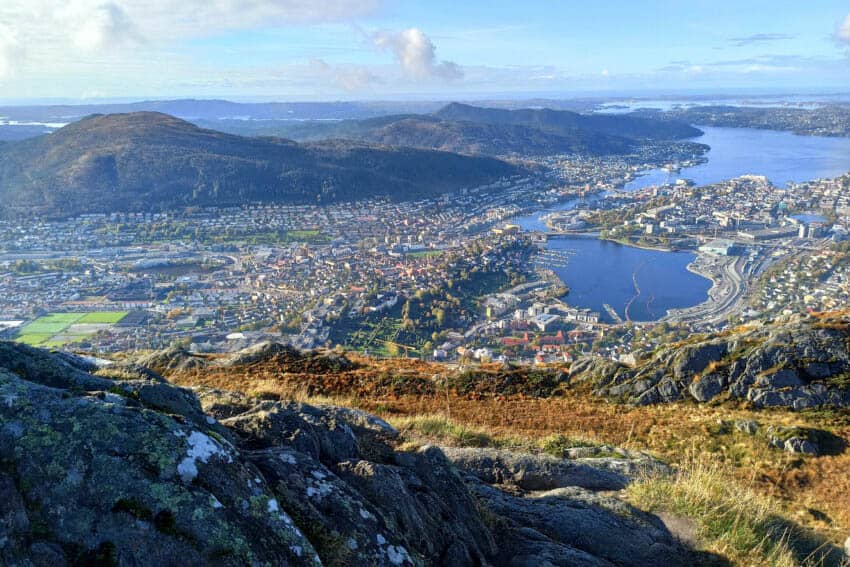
533, 472
799, 362
285, 358
172, 359
122, 468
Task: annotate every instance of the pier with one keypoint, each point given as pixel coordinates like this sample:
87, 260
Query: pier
553, 258
613, 314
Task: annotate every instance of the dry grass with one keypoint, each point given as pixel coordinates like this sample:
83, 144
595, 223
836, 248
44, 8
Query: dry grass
732, 518
443, 431
814, 492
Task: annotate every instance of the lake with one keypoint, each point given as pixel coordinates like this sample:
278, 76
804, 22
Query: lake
602, 272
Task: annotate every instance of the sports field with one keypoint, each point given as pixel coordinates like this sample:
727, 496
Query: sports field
59, 329
110, 317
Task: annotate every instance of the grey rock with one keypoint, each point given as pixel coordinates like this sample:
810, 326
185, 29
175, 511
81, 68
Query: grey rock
424, 500
170, 360
134, 484
748, 426
530, 548
800, 445
819, 370
125, 468
784, 378
596, 370
707, 387
532, 472
603, 527
693, 360
797, 439
789, 363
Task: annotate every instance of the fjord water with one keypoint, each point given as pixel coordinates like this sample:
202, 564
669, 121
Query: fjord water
641, 284
604, 272
780, 156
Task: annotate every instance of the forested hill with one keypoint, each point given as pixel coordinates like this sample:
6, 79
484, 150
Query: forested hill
470, 129
564, 122
151, 161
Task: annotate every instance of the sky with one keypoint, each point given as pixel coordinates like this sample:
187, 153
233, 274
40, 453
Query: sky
386, 49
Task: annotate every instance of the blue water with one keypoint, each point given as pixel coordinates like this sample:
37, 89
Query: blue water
600, 272
780, 156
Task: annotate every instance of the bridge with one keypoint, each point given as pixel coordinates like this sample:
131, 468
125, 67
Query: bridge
554, 234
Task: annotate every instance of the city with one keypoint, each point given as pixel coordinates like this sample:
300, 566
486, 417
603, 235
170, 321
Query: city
375, 282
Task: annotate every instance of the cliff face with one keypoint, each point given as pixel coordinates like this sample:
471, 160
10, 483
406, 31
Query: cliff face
799, 362
113, 465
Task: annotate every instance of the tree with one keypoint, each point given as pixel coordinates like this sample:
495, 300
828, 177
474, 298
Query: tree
439, 316
391, 348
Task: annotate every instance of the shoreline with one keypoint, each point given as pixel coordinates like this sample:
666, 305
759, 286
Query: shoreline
717, 304
718, 278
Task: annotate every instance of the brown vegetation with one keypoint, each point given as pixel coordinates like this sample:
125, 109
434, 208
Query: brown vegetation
521, 407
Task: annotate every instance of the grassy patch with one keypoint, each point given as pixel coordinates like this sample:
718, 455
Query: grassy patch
309, 236
732, 519
59, 329
51, 324
102, 317
425, 254
33, 339
442, 430
557, 443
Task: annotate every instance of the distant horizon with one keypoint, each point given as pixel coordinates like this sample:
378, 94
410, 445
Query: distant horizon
520, 96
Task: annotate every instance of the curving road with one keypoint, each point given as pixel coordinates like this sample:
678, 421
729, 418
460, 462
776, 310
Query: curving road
728, 296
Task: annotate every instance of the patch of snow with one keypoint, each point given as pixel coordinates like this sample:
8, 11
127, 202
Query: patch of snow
215, 502
296, 549
380, 539
273, 506
210, 419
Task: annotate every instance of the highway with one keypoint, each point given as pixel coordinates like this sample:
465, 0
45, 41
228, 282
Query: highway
733, 279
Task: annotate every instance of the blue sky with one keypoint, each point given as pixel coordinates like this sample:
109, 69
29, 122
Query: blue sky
366, 49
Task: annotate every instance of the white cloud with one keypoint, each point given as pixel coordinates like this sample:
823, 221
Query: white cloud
101, 24
347, 77
842, 34
105, 27
416, 54
11, 52
125, 42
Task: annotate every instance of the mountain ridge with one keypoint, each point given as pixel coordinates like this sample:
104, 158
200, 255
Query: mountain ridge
152, 161
474, 130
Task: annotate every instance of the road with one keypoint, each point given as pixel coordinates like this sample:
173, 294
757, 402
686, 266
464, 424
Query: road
733, 279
